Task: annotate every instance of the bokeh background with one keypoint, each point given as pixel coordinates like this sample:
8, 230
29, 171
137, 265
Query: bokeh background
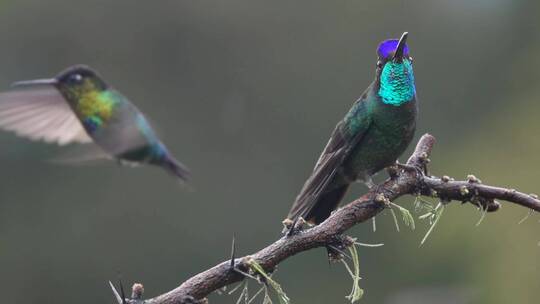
246, 94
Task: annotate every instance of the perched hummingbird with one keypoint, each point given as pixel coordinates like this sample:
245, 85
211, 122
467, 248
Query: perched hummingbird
374, 133
78, 106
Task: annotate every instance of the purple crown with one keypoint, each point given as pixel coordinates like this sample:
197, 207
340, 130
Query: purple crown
387, 47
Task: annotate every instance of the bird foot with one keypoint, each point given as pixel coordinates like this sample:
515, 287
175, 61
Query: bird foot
369, 183
406, 167
366, 180
393, 171
293, 227
126, 163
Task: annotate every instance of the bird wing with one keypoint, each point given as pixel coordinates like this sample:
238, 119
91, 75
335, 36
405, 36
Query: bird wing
338, 148
41, 113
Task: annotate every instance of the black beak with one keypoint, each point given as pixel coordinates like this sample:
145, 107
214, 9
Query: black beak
398, 55
36, 82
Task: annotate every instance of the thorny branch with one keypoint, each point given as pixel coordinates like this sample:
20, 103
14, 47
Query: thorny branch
411, 179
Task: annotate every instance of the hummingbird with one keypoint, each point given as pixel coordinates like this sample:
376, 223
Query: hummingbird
78, 106
372, 135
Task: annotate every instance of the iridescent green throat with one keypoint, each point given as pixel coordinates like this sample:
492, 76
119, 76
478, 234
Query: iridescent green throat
397, 83
96, 108
93, 105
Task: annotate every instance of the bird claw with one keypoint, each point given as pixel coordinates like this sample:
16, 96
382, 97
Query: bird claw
366, 180
293, 227
369, 183
393, 171
415, 169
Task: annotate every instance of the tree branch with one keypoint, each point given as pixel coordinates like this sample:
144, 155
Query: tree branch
406, 179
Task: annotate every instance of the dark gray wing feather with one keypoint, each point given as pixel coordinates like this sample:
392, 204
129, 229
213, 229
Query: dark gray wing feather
337, 149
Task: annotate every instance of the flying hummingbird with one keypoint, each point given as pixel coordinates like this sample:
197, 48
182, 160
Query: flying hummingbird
372, 135
78, 106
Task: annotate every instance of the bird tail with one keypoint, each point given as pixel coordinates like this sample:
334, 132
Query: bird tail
327, 203
319, 210
176, 168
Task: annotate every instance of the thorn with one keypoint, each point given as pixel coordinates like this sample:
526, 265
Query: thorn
122, 293
340, 251
330, 257
233, 251
116, 294
233, 264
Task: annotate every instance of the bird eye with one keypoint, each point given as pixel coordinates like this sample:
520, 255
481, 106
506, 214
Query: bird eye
75, 78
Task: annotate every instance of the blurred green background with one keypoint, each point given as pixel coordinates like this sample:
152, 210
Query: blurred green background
246, 94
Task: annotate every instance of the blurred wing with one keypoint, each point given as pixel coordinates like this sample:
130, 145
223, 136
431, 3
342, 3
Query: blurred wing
41, 114
81, 155
339, 146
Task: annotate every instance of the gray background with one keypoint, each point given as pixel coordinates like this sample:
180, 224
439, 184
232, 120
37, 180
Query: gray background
246, 94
